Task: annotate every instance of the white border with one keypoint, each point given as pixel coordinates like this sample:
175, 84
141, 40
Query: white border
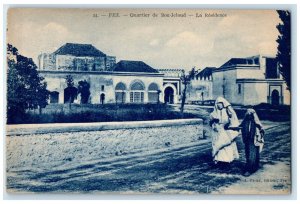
246, 4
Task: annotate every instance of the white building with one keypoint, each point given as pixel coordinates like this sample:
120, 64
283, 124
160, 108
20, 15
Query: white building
250, 81
115, 87
124, 82
171, 85
200, 88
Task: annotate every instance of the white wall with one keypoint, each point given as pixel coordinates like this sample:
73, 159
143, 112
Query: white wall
229, 83
247, 73
255, 93
56, 82
286, 95
197, 87
217, 84
251, 92
96, 81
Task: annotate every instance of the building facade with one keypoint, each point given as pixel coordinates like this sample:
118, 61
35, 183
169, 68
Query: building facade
107, 87
200, 88
172, 85
124, 82
76, 57
243, 81
250, 81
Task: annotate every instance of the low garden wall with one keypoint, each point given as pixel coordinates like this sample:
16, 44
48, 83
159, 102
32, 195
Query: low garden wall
52, 145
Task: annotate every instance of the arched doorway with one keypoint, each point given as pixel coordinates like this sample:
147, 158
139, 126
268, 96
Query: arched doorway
102, 98
169, 95
70, 94
54, 95
275, 97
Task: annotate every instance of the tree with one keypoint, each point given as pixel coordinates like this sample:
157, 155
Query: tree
69, 81
192, 73
25, 88
284, 46
84, 91
186, 80
70, 92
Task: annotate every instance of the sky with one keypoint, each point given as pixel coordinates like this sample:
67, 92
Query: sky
161, 42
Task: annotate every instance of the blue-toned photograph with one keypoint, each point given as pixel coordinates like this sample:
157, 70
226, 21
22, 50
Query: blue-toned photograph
148, 101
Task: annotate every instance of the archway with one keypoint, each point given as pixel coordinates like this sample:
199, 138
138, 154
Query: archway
70, 94
169, 95
102, 98
54, 95
275, 97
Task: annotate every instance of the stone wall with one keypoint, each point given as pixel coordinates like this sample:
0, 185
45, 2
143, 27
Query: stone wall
197, 87
53, 145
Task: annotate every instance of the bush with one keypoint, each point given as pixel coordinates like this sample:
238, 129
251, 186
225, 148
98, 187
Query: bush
266, 111
61, 113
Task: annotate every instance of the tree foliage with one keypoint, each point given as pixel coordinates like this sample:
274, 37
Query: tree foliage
25, 88
69, 81
70, 93
84, 91
186, 80
284, 46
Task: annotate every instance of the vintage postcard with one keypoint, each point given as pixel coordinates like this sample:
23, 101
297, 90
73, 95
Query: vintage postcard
148, 101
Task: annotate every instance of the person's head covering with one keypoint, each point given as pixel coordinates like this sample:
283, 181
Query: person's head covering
222, 100
223, 115
216, 112
252, 112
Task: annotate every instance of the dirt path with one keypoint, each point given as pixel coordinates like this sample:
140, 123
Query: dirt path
183, 170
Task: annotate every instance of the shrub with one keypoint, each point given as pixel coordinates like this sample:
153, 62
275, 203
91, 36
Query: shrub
61, 113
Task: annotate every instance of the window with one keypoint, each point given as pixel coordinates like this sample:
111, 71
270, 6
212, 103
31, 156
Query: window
137, 86
102, 87
120, 93
136, 97
85, 67
137, 92
121, 86
239, 88
153, 93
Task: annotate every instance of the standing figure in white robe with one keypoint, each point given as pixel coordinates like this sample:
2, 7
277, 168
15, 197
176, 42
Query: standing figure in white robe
224, 122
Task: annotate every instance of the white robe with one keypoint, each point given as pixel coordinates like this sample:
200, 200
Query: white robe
224, 147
